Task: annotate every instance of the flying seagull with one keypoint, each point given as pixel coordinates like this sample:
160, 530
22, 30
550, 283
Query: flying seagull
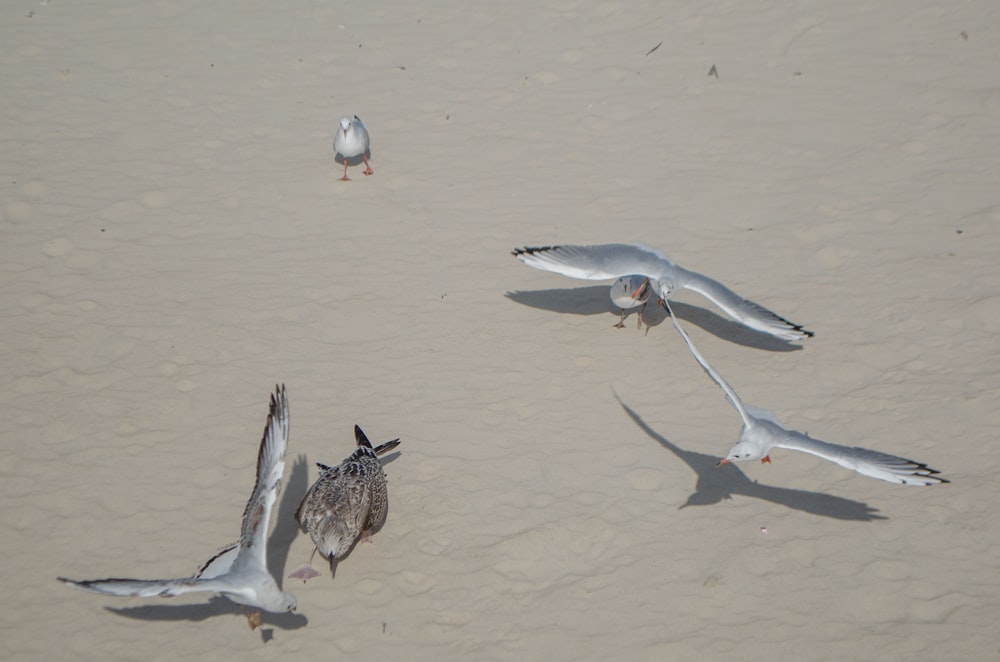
761, 433
238, 571
630, 264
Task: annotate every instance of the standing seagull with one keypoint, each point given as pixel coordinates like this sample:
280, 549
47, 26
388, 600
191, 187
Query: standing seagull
345, 502
238, 571
626, 262
761, 432
351, 142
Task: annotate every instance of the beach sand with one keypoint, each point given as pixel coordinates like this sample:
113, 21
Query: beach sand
176, 241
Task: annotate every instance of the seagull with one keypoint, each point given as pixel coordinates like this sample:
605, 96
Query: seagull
761, 432
352, 141
630, 292
238, 571
631, 262
345, 502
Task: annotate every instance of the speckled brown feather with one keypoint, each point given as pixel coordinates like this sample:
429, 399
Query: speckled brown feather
346, 500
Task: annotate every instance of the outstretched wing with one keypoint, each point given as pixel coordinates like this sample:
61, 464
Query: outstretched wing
731, 395
742, 310
142, 588
270, 467
220, 563
600, 262
863, 460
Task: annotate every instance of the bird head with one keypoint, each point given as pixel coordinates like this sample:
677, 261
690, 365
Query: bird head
288, 602
630, 291
754, 443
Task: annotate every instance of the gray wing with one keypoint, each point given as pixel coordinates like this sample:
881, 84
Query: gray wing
730, 392
600, 262
360, 127
142, 588
220, 563
742, 310
270, 467
863, 460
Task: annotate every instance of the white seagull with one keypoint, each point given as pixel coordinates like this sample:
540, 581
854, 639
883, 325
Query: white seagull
634, 262
761, 432
351, 142
630, 292
238, 571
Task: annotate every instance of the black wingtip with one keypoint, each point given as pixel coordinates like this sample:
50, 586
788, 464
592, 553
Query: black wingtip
382, 449
530, 250
359, 435
277, 398
921, 470
793, 325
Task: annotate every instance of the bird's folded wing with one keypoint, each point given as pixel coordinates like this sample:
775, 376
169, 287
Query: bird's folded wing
382, 449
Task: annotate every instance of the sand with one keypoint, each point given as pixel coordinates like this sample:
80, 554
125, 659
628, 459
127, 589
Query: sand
175, 241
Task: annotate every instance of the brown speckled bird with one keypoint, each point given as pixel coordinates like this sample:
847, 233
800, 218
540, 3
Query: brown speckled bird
346, 502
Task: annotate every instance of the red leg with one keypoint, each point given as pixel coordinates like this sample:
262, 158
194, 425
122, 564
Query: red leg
368, 168
345, 178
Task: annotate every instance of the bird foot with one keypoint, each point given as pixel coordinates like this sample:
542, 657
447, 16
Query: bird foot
766, 459
254, 620
305, 573
369, 171
345, 178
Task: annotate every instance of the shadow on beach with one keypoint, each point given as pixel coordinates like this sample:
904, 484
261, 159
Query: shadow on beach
718, 483
594, 300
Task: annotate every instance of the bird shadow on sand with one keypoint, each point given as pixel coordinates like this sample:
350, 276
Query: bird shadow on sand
594, 300
716, 484
277, 554
216, 606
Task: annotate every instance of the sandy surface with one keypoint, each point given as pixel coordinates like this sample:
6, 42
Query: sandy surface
175, 241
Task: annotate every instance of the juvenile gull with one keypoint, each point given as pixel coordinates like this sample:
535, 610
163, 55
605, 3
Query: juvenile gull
627, 261
238, 571
761, 432
351, 142
345, 502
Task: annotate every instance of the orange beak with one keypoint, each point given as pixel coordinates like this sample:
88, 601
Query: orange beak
640, 289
